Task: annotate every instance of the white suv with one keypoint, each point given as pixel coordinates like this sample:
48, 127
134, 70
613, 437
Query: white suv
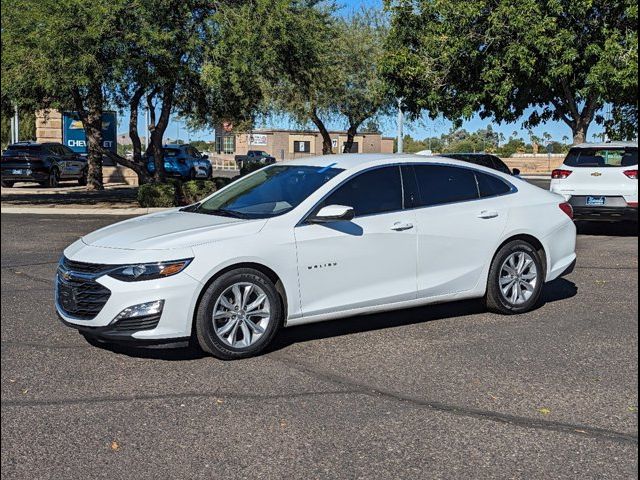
317, 239
600, 181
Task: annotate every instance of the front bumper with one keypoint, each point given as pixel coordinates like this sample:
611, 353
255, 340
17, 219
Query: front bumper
179, 293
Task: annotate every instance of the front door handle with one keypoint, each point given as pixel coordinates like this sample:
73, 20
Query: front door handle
400, 226
486, 214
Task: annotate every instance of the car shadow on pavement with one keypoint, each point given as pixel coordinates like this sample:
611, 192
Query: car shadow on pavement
560, 289
611, 229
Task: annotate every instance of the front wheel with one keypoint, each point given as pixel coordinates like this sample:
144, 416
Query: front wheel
54, 179
515, 279
82, 181
239, 314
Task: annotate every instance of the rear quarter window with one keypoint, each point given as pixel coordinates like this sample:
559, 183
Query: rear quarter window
490, 186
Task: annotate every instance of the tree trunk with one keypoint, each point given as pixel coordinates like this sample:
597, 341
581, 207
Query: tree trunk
91, 116
327, 145
134, 104
352, 131
579, 132
157, 132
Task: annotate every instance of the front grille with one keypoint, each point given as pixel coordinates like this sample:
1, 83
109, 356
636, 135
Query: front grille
82, 267
80, 297
148, 322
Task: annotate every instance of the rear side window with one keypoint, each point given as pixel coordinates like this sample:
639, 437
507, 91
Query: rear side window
22, 149
373, 192
602, 157
491, 186
441, 184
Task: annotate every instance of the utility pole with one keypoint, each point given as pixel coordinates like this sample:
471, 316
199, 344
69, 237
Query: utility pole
400, 127
16, 125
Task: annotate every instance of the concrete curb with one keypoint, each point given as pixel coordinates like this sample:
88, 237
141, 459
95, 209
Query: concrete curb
79, 211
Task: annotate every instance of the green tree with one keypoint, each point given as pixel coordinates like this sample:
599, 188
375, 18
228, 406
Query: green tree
363, 94
562, 59
59, 54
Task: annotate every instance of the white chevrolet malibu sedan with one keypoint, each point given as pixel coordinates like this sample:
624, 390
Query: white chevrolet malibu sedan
316, 239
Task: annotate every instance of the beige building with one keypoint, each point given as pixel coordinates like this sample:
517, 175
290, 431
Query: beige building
292, 144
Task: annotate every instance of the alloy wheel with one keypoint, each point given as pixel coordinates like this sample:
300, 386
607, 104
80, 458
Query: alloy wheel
518, 278
241, 315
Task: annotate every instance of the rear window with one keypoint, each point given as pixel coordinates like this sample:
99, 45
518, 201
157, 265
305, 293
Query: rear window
171, 152
602, 157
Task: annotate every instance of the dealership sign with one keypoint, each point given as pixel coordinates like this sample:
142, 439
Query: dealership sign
73, 135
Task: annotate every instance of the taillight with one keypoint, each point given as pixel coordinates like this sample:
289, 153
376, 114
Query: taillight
567, 208
632, 204
632, 174
559, 174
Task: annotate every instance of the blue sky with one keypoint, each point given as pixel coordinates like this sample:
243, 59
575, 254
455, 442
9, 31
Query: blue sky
418, 129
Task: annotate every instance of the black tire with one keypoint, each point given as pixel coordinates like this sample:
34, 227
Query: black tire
496, 300
82, 181
54, 178
209, 340
7, 183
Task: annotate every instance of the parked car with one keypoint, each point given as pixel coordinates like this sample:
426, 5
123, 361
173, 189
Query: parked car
484, 160
600, 181
184, 162
253, 160
44, 163
317, 239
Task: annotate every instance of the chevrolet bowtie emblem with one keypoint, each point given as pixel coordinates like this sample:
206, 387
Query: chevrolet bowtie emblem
596, 174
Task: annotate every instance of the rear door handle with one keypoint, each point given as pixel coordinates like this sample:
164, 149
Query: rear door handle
400, 226
486, 214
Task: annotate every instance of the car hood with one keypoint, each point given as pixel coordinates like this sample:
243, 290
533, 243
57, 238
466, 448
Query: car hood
170, 230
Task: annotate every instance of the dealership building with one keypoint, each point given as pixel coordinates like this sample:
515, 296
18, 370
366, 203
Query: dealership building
292, 144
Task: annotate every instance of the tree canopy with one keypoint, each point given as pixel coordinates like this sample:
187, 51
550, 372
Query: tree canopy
545, 59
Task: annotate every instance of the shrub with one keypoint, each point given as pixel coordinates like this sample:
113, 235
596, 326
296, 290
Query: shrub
195, 190
157, 195
221, 182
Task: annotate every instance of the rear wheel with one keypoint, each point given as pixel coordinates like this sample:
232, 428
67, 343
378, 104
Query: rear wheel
7, 183
239, 314
516, 279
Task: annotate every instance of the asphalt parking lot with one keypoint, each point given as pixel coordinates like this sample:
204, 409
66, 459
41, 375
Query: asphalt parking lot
447, 391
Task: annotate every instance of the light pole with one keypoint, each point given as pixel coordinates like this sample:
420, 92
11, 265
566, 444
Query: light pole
400, 127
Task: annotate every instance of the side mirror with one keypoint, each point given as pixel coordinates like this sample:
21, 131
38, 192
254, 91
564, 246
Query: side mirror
205, 157
333, 213
516, 172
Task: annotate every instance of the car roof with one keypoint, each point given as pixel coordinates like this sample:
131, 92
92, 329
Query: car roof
356, 161
607, 145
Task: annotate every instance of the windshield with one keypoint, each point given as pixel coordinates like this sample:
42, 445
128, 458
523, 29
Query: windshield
602, 157
270, 192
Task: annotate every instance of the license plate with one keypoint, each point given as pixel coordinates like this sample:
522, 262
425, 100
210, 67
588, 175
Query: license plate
17, 172
596, 201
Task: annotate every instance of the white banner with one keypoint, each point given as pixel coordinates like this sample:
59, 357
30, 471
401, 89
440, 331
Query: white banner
258, 139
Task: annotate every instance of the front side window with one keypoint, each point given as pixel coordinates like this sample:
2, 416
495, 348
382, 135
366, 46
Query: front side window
369, 193
440, 184
602, 157
270, 192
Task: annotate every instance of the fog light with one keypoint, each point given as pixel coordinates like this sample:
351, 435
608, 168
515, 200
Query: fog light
141, 310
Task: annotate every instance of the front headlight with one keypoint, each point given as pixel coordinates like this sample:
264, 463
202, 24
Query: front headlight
149, 271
